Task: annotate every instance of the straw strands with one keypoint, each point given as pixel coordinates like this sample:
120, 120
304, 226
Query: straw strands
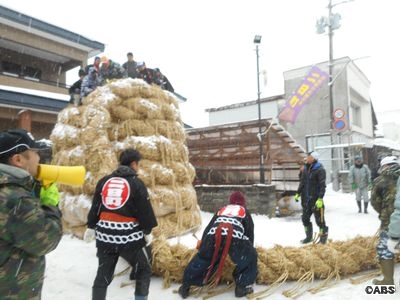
327, 263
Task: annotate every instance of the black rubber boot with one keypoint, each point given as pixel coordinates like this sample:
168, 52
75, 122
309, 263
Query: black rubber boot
142, 288
365, 207
99, 293
184, 290
323, 235
309, 234
241, 291
359, 206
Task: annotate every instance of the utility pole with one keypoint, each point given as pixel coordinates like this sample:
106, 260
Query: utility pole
330, 84
257, 41
332, 22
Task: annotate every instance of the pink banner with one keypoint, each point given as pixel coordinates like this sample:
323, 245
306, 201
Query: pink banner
308, 87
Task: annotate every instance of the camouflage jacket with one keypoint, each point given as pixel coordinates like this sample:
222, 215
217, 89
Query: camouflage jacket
383, 194
394, 226
112, 71
28, 231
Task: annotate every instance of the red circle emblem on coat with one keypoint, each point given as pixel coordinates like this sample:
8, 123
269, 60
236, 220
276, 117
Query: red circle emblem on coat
232, 210
115, 193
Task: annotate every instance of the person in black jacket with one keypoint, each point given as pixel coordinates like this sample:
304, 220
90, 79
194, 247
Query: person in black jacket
312, 190
121, 219
230, 231
75, 89
130, 66
145, 73
162, 80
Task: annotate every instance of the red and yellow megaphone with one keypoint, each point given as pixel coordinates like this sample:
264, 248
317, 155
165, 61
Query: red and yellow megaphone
68, 175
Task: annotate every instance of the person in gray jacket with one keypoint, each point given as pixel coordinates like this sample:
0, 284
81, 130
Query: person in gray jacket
360, 181
90, 82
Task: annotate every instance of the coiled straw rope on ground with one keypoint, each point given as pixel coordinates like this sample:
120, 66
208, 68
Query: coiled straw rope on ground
330, 262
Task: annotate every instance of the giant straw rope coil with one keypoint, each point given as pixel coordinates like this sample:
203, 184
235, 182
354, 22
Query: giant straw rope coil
128, 113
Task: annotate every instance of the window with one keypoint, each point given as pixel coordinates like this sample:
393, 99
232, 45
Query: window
34, 73
356, 114
11, 68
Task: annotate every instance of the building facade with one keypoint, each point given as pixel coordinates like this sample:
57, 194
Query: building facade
314, 127
34, 59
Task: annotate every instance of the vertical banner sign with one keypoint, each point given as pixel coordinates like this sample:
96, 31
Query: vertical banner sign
308, 87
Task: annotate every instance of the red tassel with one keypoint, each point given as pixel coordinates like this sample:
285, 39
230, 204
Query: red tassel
224, 254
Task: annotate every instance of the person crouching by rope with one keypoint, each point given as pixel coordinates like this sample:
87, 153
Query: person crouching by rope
230, 231
121, 219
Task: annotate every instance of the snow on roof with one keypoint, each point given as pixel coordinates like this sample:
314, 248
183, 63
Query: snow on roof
386, 143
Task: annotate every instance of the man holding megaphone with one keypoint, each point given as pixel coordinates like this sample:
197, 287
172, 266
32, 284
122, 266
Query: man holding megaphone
30, 220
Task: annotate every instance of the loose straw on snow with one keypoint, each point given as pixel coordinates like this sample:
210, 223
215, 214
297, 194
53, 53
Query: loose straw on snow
330, 262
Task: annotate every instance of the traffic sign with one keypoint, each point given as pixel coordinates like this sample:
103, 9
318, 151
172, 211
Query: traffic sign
338, 113
339, 125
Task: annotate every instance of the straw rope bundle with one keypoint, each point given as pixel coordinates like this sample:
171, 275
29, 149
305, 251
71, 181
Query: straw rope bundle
278, 265
128, 113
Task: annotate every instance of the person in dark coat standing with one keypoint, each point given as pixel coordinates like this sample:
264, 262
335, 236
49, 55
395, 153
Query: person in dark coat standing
312, 190
230, 231
130, 66
121, 219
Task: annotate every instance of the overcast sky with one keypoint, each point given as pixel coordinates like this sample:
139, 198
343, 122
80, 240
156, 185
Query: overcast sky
206, 47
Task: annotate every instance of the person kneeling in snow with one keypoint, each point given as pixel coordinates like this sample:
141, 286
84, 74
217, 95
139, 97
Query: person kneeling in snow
230, 231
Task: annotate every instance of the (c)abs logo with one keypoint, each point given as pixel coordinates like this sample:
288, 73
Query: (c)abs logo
380, 289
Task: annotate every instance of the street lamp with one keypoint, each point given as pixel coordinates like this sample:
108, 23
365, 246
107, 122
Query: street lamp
257, 41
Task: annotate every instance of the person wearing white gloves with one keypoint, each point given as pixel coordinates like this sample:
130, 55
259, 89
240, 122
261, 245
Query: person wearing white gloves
121, 219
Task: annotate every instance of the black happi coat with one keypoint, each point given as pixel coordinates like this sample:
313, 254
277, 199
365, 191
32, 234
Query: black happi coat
121, 211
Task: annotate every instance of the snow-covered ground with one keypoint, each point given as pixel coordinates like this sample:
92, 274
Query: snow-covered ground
71, 268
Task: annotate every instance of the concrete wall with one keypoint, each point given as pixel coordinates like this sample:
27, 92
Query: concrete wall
260, 199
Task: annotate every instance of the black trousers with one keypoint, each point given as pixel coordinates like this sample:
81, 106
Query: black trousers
139, 259
319, 214
242, 254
